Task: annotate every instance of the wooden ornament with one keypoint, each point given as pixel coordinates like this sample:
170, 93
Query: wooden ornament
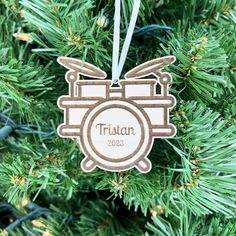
116, 126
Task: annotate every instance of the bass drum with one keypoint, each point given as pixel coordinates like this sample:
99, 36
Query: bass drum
116, 136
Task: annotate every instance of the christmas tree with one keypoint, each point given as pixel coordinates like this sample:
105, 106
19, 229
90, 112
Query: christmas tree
191, 188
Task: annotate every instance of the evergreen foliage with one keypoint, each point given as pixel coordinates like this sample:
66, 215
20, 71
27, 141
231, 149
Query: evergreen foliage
192, 187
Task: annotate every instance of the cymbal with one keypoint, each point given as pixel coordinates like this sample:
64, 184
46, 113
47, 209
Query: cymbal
82, 67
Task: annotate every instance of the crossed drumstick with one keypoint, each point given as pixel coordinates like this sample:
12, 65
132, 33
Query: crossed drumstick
153, 67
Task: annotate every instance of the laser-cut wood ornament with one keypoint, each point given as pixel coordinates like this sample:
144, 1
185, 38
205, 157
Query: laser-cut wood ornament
116, 126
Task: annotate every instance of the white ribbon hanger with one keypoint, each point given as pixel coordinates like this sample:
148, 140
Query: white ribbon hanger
118, 64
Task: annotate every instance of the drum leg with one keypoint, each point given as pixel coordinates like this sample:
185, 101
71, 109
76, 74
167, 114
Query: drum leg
88, 164
144, 165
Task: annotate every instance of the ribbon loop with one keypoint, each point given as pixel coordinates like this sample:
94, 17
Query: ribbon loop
118, 64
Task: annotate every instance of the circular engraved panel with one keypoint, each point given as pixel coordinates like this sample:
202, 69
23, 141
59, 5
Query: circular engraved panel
116, 134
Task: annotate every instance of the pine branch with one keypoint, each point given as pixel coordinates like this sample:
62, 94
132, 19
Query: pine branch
191, 225
65, 26
199, 73
206, 179
135, 190
32, 170
18, 86
99, 218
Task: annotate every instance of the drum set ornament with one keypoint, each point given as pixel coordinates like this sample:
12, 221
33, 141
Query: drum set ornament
116, 126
